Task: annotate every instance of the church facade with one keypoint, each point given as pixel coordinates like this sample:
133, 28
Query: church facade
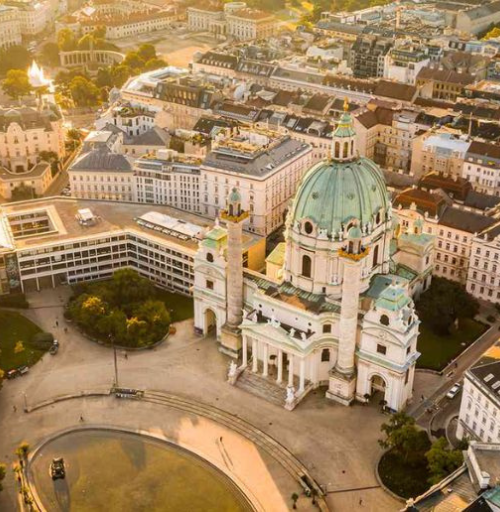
335, 306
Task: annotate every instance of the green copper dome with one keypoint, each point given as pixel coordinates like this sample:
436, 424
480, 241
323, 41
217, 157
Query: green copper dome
333, 192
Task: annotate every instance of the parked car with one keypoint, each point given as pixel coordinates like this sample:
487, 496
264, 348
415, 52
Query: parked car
453, 392
57, 469
12, 374
54, 348
23, 370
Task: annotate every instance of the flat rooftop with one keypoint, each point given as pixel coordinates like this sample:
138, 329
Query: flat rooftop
64, 216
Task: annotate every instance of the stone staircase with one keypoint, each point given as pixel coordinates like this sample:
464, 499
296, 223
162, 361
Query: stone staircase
262, 387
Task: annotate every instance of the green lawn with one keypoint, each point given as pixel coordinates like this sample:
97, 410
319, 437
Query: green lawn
13, 328
181, 307
437, 351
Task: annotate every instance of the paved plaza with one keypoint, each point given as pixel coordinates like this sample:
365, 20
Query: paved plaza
338, 445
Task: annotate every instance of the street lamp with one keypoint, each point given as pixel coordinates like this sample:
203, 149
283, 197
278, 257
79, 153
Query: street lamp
115, 360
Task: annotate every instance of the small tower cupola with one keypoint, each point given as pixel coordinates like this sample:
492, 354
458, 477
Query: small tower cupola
344, 138
234, 212
234, 203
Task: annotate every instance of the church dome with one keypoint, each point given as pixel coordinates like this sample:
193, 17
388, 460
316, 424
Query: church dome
342, 188
333, 193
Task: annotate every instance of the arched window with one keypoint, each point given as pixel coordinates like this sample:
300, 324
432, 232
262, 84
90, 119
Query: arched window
375, 256
377, 218
210, 257
346, 150
308, 228
384, 320
337, 149
352, 147
325, 355
306, 266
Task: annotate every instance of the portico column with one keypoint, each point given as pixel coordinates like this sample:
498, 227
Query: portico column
302, 375
280, 367
244, 361
266, 360
290, 370
255, 357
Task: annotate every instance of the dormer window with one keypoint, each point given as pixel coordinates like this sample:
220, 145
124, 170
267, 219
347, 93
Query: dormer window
210, 257
384, 320
308, 227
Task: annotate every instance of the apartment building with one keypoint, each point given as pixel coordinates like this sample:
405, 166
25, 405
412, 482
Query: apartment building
265, 166
442, 150
66, 241
479, 416
10, 27
26, 131
251, 24
386, 136
168, 178
404, 61
128, 118
368, 56
452, 226
235, 20
442, 84
482, 167
483, 276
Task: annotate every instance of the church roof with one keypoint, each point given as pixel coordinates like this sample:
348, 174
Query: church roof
393, 298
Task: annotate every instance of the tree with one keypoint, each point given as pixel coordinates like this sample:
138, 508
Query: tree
295, 498
66, 40
51, 158
146, 52
129, 287
16, 84
121, 74
104, 78
50, 54
444, 303
23, 192
3, 472
153, 64
133, 60
14, 57
84, 92
22, 450
442, 461
402, 436
19, 347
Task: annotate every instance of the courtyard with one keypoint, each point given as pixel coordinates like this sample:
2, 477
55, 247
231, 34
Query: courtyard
175, 47
319, 433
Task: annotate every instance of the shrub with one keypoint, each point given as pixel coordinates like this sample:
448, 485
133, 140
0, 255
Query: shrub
491, 319
42, 340
14, 300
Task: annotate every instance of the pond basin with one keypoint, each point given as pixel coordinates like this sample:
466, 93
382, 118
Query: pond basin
117, 471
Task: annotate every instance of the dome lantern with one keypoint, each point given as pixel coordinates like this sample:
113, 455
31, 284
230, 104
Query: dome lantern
344, 138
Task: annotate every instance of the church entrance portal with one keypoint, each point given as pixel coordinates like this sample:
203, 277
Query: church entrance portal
378, 388
210, 322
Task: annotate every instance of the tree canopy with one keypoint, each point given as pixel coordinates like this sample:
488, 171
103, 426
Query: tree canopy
14, 57
84, 92
444, 303
16, 84
123, 310
402, 436
442, 461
